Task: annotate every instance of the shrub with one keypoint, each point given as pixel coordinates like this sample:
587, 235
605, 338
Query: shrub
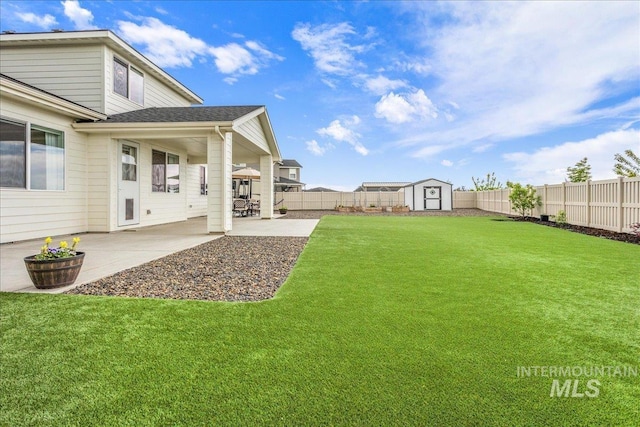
523, 198
561, 217
635, 228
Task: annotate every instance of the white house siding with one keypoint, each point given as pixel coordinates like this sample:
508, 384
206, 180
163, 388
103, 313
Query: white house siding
196, 202
155, 93
252, 130
100, 180
164, 207
74, 73
29, 214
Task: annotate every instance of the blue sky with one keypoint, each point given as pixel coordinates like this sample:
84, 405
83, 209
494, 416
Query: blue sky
398, 91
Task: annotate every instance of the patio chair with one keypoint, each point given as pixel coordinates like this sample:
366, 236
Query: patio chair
240, 207
255, 206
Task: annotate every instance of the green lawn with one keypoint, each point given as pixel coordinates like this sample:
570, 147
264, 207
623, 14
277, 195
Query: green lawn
384, 321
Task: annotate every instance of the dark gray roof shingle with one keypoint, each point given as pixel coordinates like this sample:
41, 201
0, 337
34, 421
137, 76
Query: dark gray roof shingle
183, 114
290, 163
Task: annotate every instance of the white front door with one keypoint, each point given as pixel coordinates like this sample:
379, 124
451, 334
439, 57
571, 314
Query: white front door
128, 183
432, 199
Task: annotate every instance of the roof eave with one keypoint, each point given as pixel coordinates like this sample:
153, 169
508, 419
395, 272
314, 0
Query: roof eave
49, 101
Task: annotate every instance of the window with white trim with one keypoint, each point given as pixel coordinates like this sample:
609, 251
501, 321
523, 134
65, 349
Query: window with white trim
127, 81
165, 172
31, 156
293, 173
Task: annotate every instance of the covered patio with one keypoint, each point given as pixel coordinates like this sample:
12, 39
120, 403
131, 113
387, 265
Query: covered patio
109, 253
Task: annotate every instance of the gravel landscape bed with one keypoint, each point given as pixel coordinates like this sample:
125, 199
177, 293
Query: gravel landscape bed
597, 232
231, 268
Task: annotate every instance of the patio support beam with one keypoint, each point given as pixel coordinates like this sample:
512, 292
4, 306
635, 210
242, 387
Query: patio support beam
266, 187
219, 166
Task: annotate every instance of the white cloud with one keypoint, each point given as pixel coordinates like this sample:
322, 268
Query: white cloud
45, 22
381, 85
482, 148
165, 45
168, 46
341, 133
230, 80
261, 51
233, 58
82, 18
523, 68
548, 165
405, 108
328, 46
316, 149
280, 97
447, 163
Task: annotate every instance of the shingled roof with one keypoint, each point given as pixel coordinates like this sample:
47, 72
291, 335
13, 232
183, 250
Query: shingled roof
182, 114
290, 163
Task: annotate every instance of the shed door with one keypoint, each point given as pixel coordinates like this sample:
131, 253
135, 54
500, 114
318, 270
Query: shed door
128, 184
432, 198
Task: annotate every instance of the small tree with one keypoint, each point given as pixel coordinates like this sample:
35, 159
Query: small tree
488, 183
627, 167
581, 172
523, 198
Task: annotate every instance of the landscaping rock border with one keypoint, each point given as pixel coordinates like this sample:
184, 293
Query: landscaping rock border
231, 268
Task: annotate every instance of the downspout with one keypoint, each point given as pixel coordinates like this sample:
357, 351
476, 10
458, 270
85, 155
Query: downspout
217, 129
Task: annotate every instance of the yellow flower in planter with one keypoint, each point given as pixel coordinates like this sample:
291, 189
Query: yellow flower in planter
62, 251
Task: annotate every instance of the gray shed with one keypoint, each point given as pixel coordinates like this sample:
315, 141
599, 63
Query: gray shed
429, 194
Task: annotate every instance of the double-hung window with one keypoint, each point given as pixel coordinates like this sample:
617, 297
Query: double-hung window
165, 172
127, 81
31, 157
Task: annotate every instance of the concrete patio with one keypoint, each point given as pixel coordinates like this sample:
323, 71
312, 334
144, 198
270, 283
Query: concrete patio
108, 253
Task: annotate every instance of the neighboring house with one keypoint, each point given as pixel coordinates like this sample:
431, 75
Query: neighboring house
95, 137
382, 186
321, 190
429, 194
287, 176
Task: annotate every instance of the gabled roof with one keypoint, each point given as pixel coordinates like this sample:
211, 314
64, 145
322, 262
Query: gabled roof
106, 37
320, 189
290, 163
183, 114
428, 179
287, 181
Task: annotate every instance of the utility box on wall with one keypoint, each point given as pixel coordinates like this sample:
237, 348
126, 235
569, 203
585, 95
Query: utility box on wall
430, 195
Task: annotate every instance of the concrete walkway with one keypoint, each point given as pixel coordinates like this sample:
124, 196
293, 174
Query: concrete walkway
108, 253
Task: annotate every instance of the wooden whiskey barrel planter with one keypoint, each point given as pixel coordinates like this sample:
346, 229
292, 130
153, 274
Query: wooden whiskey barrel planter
53, 273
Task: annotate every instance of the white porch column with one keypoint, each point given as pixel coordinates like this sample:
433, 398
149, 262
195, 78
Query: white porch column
219, 166
266, 187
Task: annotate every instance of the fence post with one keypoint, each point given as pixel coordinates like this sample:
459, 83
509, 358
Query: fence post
620, 204
544, 207
588, 184
563, 199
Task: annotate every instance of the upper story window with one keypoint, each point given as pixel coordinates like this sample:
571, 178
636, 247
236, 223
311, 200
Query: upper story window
31, 157
293, 173
127, 81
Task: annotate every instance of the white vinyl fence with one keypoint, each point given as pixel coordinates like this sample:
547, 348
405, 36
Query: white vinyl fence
612, 204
